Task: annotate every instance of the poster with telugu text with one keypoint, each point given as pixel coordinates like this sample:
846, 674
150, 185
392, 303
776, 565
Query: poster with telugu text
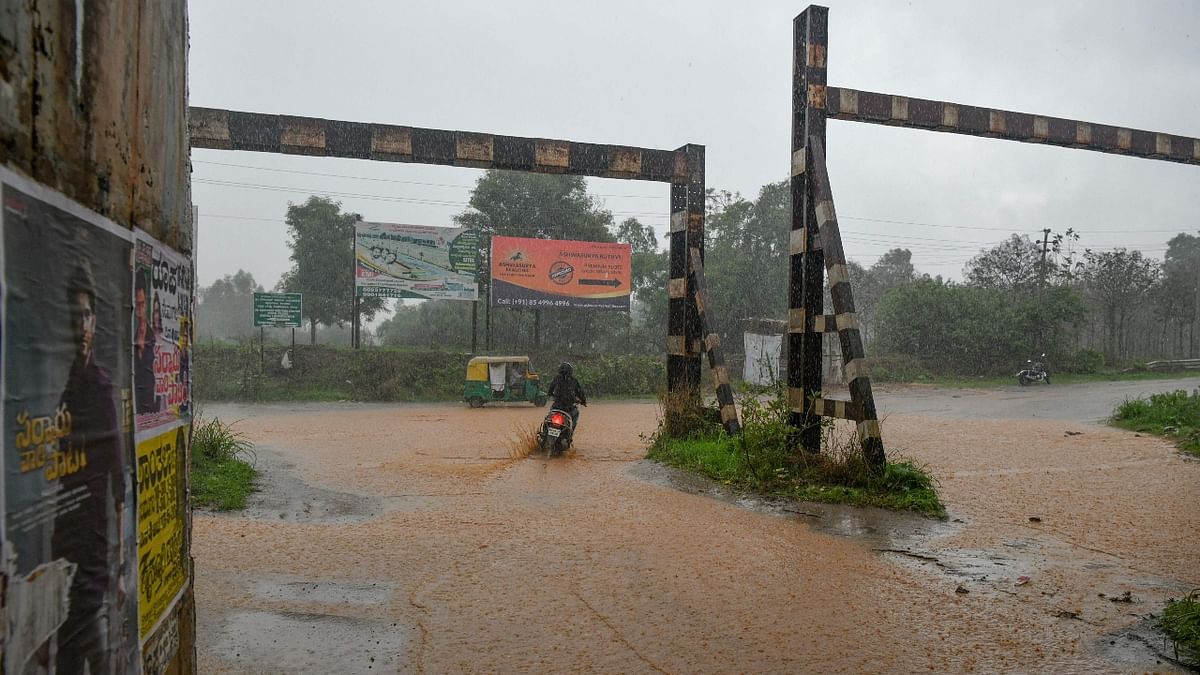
68, 496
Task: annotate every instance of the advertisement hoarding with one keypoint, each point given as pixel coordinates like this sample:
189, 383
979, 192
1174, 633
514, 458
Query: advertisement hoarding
565, 274
416, 261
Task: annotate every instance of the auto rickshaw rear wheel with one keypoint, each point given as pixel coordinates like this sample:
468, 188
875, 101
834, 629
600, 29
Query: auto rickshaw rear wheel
475, 402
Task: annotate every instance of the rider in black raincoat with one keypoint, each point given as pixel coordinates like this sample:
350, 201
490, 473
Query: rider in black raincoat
567, 393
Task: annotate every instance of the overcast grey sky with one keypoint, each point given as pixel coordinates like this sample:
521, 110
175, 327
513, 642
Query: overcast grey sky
661, 74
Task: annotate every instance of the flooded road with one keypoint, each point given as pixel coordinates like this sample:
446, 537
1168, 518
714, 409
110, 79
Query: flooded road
405, 538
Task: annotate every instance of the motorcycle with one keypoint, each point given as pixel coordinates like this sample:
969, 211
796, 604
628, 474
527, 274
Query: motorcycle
1033, 373
556, 433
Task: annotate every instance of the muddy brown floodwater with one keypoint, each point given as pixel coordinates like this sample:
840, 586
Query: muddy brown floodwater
405, 538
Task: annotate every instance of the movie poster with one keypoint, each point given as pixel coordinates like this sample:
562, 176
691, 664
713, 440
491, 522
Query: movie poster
70, 541
162, 325
161, 338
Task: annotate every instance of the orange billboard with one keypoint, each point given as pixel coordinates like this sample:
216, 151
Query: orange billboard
560, 273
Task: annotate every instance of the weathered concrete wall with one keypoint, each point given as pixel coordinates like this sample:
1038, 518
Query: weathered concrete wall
93, 103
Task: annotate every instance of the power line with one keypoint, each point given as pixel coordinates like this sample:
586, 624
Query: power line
915, 223
372, 197
389, 180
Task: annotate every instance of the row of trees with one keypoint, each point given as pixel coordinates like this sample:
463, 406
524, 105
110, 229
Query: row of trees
1016, 299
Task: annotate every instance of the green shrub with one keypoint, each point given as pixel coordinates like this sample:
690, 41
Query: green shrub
1174, 414
221, 476
1084, 362
766, 460
240, 372
1181, 622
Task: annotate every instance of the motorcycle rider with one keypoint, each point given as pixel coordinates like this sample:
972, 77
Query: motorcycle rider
566, 392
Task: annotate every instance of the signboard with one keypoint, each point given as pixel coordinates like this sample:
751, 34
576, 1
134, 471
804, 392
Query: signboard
416, 261
281, 310
557, 273
68, 487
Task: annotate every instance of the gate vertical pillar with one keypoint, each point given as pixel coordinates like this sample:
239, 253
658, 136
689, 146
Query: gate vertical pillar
687, 230
806, 269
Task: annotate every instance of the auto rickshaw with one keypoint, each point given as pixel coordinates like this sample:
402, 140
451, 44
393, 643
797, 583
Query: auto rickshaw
501, 379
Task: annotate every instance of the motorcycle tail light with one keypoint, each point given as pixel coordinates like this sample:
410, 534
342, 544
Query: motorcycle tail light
557, 419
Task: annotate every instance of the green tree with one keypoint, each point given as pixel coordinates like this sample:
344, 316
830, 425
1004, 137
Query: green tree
542, 206
322, 241
649, 284
870, 284
225, 310
1012, 265
746, 255
971, 330
1177, 297
1117, 282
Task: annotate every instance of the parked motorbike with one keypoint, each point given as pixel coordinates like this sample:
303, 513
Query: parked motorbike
1034, 372
556, 433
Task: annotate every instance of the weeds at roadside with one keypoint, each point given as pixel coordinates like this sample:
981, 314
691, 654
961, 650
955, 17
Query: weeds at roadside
1181, 622
221, 476
766, 460
1174, 414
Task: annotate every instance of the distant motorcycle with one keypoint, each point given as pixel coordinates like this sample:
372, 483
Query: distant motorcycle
1034, 372
556, 432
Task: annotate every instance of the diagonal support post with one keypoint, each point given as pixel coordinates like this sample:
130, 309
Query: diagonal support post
712, 345
862, 398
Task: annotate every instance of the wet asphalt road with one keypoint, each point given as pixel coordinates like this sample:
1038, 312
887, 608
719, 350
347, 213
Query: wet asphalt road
1090, 402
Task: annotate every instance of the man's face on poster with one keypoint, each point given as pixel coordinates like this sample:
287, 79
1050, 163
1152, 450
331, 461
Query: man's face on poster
139, 307
83, 324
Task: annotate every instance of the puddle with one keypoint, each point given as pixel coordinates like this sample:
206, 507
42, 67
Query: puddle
1136, 646
325, 592
283, 495
880, 528
293, 642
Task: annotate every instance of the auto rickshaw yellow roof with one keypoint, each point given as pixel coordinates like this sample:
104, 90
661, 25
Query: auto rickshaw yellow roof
498, 359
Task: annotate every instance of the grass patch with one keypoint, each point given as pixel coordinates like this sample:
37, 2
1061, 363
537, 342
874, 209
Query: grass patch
1174, 414
222, 478
1181, 622
764, 460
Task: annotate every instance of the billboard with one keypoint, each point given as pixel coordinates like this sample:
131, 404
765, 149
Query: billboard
562, 274
415, 261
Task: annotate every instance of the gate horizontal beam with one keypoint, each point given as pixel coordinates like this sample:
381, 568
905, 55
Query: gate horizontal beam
216, 129
918, 113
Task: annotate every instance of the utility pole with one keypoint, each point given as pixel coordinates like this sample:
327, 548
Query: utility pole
1045, 248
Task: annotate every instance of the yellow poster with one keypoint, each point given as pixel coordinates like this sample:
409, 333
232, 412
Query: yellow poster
162, 561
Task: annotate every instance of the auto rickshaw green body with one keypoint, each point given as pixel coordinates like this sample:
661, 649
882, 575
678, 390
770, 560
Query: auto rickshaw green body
501, 379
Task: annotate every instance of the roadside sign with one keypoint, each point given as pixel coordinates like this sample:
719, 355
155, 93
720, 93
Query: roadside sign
281, 310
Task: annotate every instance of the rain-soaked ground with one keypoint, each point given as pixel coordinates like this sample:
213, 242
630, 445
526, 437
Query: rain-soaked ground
405, 538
